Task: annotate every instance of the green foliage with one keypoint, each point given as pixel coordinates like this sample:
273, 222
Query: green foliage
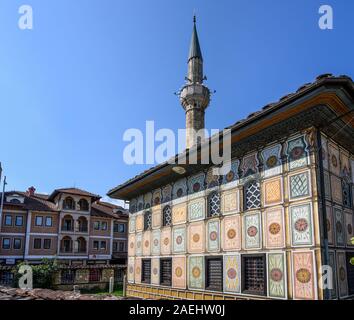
42, 273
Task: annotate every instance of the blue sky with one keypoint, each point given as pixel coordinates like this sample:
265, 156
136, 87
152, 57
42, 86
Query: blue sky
90, 69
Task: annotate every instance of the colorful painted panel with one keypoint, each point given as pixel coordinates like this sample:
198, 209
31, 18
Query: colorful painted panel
139, 244
342, 274
339, 227
131, 269
297, 153
137, 270
196, 236
140, 203
276, 275
344, 165
156, 217
166, 193
301, 225
213, 235
230, 202
179, 272
349, 227
148, 200
272, 161
273, 191
180, 188
324, 153
146, 243
232, 233
249, 165
139, 222
212, 178
131, 248
132, 224
304, 275
332, 264
156, 235
232, 273
252, 231
274, 228
330, 225
327, 184
333, 159
155, 271
196, 183
196, 209
336, 186
232, 175
299, 185
196, 272
179, 240
179, 214
156, 197
166, 241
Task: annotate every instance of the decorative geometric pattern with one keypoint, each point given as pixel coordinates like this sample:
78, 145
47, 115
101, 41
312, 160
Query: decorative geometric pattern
271, 161
232, 273
179, 213
166, 193
303, 273
273, 193
213, 235
140, 203
179, 240
148, 200
211, 179
156, 217
233, 174
231, 227
299, 185
301, 225
214, 204
133, 206
179, 272
333, 159
342, 274
167, 216
156, 235
252, 231
324, 153
347, 200
131, 224
138, 270
156, 197
138, 244
131, 245
139, 222
339, 227
155, 271
336, 187
230, 202
276, 275
249, 165
165, 241
297, 153
146, 243
252, 195
196, 236
196, 183
327, 184
180, 188
274, 228
329, 224
196, 209
349, 227
196, 272
131, 269
147, 220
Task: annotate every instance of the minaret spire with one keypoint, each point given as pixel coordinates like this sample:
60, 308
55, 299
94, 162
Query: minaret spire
195, 96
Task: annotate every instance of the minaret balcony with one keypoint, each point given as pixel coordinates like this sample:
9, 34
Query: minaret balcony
195, 94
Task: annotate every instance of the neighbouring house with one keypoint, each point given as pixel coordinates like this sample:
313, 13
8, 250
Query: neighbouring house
264, 229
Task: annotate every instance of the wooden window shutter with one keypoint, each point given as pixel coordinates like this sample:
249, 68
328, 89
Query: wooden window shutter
166, 272
214, 276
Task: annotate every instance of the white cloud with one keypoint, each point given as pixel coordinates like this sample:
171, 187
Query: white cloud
114, 201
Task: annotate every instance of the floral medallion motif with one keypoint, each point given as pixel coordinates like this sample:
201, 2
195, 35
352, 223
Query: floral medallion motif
138, 270
179, 192
230, 176
156, 242
146, 243
342, 274
196, 187
157, 201
131, 245
213, 236
303, 275
334, 161
297, 153
301, 225
274, 228
166, 241
131, 269
252, 231
196, 272
179, 240
276, 275
155, 271
272, 161
231, 273
178, 272
339, 227
231, 233
196, 237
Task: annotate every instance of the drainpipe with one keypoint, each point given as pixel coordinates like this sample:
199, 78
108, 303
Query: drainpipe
324, 209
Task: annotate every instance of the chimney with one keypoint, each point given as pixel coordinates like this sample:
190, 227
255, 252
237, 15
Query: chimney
30, 192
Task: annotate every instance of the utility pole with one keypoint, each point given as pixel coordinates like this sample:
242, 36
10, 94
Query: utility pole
2, 201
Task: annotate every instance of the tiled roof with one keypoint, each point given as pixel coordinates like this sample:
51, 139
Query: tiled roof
74, 191
108, 210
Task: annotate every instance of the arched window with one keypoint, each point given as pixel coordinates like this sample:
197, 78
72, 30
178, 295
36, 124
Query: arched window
82, 224
167, 216
214, 204
69, 203
81, 245
252, 195
147, 220
83, 205
66, 245
67, 223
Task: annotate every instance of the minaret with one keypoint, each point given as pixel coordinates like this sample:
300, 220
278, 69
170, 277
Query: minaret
194, 96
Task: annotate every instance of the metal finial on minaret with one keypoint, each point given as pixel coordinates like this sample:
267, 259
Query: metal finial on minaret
195, 96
